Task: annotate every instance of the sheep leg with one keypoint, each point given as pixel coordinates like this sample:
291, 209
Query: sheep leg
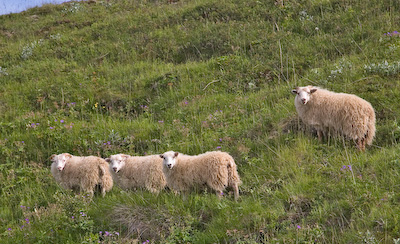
361, 144
219, 194
320, 135
235, 191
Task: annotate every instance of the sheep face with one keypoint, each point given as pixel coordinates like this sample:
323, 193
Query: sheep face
169, 159
117, 161
60, 160
303, 94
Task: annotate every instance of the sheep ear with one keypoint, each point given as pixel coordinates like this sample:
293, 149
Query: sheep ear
68, 155
294, 91
107, 160
176, 154
124, 156
313, 90
53, 157
161, 156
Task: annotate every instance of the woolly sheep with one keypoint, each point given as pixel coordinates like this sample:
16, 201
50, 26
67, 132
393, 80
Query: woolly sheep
215, 169
82, 173
131, 172
340, 113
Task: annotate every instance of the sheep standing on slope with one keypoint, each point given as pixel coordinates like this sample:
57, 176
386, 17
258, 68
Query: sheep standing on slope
214, 169
131, 172
83, 173
340, 113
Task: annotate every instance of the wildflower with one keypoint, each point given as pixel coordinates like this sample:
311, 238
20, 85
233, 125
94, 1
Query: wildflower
22, 226
109, 143
298, 227
27, 220
160, 121
100, 232
106, 233
55, 120
9, 229
219, 147
51, 127
22, 142
62, 121
117, 233
22, 206
343, 167
73, 217
220, 139
350, 167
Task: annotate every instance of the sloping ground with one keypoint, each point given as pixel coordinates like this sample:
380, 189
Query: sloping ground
144, 77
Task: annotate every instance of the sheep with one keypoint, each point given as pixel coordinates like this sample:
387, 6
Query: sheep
215, 169
340, 113
131, 172
82, 173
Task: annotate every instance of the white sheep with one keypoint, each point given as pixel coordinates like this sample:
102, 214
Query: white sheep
215, 169
81, 173
131, 172
337, 113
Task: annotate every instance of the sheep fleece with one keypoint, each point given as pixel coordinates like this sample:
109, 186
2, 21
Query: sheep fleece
141, 172
346, 114
84, 173
216, 169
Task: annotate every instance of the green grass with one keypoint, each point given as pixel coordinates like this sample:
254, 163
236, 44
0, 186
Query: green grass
145, 77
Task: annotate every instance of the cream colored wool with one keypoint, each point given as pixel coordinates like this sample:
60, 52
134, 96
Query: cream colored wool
82, 173
138, 172
215, 169
337, 113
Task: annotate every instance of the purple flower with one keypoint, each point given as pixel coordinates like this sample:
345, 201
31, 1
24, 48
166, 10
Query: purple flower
55, 120
100, 232
106, 233
220, 139
22, 142
62, 121
343, 167
27, 220
73, 217
160, 121
117, 233
37, 123
219, 147
9, 229
51, 127
22, 206
298, 227
108, 142
350, 167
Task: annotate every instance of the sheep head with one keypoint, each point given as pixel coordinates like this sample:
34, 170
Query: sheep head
303, 94
117, 161
60, 160
169, 159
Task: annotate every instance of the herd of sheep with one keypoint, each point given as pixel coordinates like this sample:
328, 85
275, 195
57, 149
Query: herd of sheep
328, 112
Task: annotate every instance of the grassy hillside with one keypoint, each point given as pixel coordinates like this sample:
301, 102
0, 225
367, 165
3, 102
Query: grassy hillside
145, 77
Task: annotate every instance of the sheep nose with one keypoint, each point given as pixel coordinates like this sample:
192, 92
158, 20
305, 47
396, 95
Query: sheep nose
60, 168
115, 169
303, 100
169, 166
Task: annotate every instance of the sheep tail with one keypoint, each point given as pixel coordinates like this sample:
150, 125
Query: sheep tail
369, 136
233, 178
